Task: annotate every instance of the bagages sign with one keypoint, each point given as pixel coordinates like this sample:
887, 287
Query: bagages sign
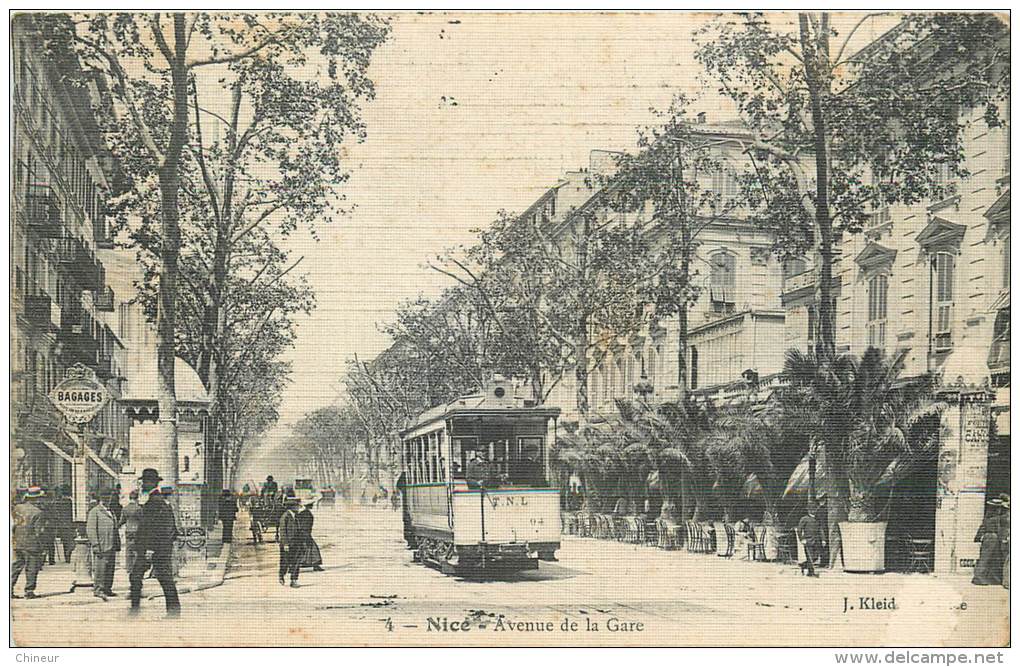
80, 396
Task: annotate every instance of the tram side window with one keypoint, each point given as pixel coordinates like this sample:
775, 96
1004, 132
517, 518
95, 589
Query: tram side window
529, 467
440, 459
430, 456
423, 473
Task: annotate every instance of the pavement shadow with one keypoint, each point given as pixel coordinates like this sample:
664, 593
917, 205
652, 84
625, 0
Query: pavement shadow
546, 572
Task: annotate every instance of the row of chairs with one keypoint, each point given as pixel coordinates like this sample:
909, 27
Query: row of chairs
694, 536
633, 529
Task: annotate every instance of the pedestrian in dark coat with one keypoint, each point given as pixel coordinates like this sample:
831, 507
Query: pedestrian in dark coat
155, 543
62, 515
104, 540
29, 525
811, 537
310, 554
290, 542
115, 507
49, 533
988, 571
228, 512
131, 520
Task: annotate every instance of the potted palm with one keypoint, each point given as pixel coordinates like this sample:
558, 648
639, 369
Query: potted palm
870, 424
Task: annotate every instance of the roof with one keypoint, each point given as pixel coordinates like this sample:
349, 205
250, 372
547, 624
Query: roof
477, 404
142, 375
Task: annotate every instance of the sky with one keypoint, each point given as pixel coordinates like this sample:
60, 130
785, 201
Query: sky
474, 112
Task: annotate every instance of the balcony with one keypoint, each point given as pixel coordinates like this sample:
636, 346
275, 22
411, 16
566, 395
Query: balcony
42, 211
799, 281
42, 313
104, 299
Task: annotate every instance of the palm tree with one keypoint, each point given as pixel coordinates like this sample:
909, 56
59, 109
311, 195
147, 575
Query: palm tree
667, 439
738, 449
589, 450
871, 425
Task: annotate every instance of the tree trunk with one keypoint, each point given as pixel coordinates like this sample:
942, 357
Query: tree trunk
862, 505
581, 342
169, 184
581, 369
668, 511
817, 78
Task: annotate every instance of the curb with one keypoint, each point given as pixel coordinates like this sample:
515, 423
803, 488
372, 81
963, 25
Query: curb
218, 567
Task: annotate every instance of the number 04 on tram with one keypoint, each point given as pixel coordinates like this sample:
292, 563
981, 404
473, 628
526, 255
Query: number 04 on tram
475, 484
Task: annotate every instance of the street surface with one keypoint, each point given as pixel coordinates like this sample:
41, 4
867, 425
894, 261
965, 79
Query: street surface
599, 593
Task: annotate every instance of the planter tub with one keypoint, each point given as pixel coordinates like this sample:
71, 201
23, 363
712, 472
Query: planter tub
863, 546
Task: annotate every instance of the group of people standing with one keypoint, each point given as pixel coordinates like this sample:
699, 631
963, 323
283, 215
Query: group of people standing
150, 531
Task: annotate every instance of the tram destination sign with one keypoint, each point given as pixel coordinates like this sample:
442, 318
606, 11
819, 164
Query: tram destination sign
80, 396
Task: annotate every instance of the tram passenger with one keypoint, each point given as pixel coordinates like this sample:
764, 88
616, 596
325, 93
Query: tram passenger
529, 468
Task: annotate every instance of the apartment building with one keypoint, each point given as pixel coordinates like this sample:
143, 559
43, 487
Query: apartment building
61, 176
933, 280
734, 324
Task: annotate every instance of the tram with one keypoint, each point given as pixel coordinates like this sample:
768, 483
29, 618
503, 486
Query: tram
475, 484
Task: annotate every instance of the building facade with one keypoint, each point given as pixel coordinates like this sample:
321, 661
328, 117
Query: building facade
933, 280
732, 326
64, 308
60, 301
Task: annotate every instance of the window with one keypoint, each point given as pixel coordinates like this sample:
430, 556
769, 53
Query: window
878, 306
945, 179
693, 373
943, 268
724, 184
880, 212
722, 287
187, 463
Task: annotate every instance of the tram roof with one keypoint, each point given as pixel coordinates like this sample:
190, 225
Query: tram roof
480, 405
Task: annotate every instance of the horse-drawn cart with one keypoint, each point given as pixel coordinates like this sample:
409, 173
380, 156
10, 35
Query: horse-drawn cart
265, 514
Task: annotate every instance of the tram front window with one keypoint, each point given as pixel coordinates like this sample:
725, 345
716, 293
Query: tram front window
502, 462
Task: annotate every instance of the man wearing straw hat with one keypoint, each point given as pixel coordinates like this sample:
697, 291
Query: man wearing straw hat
29, 524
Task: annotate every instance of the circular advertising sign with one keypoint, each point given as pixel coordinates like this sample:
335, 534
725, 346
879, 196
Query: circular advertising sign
79, 397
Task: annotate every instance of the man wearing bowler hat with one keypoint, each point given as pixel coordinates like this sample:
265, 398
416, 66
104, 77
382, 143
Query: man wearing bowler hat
154, 543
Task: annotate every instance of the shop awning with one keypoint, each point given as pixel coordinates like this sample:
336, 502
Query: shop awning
58, 451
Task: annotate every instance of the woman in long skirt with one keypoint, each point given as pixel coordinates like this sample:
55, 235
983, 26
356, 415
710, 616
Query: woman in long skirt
311, 556
988, 571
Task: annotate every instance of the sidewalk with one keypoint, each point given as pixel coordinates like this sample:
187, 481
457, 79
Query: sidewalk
199, 572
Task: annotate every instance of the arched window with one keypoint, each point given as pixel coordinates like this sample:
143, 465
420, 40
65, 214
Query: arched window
693, 370
878, 306
187, 464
